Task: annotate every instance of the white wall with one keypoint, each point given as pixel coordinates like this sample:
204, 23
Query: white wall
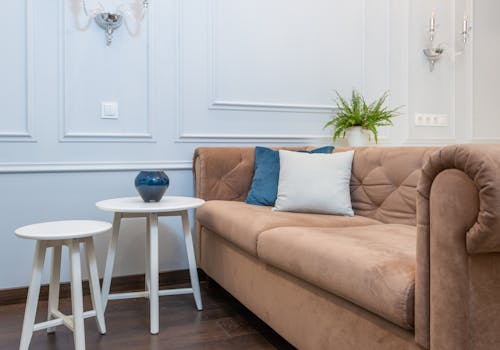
482, 74
213, 72
431, 92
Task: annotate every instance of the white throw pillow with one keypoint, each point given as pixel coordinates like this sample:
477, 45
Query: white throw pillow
315, 183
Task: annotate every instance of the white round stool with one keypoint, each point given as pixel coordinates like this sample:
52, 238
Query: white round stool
56, 234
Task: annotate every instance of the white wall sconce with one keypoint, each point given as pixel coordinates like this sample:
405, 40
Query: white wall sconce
466, 29
110, 21
432, 52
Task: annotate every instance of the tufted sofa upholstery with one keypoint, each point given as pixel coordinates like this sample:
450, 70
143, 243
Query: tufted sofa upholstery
227, 174
381, 188
401, 274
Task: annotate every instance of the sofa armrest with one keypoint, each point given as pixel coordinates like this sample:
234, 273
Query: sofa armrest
223, 173
481, 163
458, 240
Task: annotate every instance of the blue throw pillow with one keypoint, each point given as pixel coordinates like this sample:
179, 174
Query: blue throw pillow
266, 175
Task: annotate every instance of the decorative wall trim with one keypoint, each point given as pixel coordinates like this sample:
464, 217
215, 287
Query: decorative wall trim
485, 140
26, 135
470, 70
70, 167
217, 103
251, 138
430, 141
106, 137
452, 126
453, 85
75, 136
363, 47
470, 59
269, 107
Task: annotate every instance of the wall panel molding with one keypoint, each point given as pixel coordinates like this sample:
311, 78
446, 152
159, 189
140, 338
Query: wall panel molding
425, 80
66, 135
478, 139
70, 167
430, 141
470, 75
470, 72
220, 103
249, 138
26, 135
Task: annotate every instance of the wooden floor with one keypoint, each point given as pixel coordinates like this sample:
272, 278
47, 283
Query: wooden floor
223, 324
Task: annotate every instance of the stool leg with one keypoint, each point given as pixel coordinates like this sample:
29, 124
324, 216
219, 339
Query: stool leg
193, 272
33, 293
147, 254
95, 292
110, 260
153, 271
55, 273
76, 294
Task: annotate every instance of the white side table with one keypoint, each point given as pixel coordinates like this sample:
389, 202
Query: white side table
132, 207
56, 234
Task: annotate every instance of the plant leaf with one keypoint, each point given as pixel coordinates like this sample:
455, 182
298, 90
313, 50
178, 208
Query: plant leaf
357, 112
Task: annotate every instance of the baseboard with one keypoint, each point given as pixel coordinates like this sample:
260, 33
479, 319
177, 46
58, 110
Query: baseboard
119, 284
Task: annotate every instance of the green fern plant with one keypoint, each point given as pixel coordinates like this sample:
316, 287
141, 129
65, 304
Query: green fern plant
357, 112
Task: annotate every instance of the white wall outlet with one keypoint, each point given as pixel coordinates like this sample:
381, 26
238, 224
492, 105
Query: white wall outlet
428, 119
419, 119
442, 120
109, 110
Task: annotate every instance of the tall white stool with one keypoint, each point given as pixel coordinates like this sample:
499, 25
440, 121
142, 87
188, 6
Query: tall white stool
55, 235
133, 207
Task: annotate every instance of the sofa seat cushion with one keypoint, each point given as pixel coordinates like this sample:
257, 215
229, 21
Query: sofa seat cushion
242, 223
372, 266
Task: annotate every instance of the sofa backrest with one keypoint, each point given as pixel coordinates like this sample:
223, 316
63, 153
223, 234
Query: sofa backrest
384, 181
225, 173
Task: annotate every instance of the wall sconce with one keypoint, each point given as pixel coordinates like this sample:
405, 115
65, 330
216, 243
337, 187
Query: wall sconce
433, 53
466, 29
110, 21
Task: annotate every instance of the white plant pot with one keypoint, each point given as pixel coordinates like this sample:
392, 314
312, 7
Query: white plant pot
357, 136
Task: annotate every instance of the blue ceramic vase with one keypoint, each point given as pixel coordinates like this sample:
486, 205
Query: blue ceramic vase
151, 185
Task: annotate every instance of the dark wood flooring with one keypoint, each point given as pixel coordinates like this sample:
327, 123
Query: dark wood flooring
223, 324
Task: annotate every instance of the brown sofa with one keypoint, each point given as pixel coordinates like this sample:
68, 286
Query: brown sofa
417, 267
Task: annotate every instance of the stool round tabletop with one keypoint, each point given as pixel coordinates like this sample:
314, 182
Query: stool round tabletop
137, 205
58, 230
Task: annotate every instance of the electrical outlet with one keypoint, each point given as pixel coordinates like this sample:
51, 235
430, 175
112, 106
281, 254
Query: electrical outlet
419, 119
443, 120
428, 119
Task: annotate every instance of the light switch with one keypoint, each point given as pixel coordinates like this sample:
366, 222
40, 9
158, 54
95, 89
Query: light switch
109, 110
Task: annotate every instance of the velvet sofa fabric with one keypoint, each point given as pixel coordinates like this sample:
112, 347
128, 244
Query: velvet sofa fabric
470, 227
372, 266
456, 259
384, 181
309, 317
225, 173
242, 223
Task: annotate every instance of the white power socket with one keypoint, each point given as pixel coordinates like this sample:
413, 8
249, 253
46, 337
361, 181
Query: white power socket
428, 119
